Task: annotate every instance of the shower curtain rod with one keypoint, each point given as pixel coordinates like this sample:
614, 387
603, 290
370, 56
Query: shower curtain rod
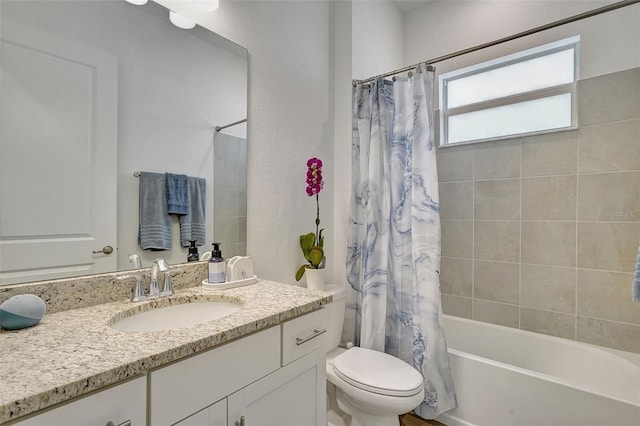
584, 15
218, 128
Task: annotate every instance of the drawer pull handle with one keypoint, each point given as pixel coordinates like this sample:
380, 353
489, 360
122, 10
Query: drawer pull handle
241, 422
316, 333
125, 423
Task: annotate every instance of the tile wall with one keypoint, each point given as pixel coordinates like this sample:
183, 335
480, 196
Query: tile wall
230, 195
541, 233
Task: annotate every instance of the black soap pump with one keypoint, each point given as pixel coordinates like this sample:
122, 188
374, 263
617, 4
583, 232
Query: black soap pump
193, 256
217, 267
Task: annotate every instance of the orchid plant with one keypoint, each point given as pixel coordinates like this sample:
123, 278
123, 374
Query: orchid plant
312, 243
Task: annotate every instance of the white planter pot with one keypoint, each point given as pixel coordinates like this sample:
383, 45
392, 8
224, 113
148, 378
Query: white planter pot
315, 279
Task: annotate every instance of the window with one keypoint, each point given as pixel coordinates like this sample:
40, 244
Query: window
532, 91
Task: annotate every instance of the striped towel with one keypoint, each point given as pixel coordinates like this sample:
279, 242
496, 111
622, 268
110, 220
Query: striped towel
154, 232
192, 225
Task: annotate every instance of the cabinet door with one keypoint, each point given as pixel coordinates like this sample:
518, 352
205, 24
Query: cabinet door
214, 415
118, 404
292, 396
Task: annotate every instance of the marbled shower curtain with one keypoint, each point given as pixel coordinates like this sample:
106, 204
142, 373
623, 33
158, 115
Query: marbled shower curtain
394, 232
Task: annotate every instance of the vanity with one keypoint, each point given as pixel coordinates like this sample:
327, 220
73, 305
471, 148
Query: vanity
263, 364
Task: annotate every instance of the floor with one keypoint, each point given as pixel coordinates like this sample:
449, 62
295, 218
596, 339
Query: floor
411, 419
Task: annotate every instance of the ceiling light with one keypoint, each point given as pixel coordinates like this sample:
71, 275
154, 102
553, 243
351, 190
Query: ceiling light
213, 5
137, 2
180, 21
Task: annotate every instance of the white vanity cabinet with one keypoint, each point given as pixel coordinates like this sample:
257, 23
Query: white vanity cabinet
266, 379
122, 404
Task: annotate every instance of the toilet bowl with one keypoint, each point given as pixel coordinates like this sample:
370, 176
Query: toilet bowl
365, 387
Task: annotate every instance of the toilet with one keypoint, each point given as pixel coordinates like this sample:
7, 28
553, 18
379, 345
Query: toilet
365, 387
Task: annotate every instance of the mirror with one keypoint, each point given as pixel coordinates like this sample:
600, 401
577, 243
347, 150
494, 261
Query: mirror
93, 91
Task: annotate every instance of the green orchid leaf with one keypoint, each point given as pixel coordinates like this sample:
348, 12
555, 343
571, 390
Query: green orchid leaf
300, 272
316, 255
306, 244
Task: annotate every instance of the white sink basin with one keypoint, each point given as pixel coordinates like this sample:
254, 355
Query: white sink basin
176, 316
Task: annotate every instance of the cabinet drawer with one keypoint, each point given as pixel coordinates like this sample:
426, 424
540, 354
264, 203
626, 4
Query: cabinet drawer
185, 387
117, 404
304, 334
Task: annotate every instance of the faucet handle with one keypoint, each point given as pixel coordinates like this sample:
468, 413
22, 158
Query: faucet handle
138, 291
135, 259
167, 290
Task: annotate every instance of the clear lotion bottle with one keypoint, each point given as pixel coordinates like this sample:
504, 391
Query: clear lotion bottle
217, 267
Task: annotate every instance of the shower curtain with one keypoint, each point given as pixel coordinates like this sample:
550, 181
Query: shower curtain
393, 256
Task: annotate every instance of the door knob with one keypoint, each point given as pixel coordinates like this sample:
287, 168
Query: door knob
105, 250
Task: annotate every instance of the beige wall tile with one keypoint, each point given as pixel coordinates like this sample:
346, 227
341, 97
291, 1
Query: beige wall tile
457, 238
549, 243
456, 276
549, 198
609, 147
607, 295
496, 160
625, 337
550, 154
608, 246
455, 163
497, 199
497, 240
496, 281
548, 287
495, 313
457, 306
609, 196
610, 97
456, 200
545, 322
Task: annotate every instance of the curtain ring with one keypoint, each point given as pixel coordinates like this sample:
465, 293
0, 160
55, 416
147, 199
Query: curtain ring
410, 74
393, 78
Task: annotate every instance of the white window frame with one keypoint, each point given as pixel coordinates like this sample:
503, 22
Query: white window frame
547, 49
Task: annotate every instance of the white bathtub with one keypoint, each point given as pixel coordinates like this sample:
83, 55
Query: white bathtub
509, 377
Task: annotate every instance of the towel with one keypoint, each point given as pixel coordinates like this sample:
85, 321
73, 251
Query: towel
177, 194
192, 225
635, 286
154, 232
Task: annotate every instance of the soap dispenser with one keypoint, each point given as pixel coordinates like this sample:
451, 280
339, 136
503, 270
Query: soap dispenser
217, 267
193, 256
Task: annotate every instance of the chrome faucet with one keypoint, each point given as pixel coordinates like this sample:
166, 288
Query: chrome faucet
158, 265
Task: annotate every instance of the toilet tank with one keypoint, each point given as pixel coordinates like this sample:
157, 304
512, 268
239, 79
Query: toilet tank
335, 314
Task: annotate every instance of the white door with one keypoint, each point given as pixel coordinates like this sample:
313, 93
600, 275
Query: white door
58, 147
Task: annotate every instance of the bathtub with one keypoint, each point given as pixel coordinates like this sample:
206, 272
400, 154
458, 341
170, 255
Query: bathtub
509, 377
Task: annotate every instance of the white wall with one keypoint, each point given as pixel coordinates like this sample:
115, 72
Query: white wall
377, 38
342, 140
290, 120
610, 42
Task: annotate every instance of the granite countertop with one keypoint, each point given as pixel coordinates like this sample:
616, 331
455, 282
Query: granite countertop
74, 352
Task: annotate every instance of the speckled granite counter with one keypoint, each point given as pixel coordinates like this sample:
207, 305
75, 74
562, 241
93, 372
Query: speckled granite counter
74, 352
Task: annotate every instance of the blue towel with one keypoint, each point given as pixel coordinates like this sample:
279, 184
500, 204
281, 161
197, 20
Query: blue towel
177, 194
154, 232
635, 287
192, 225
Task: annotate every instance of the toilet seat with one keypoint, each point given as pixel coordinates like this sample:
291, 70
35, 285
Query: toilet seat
377, 372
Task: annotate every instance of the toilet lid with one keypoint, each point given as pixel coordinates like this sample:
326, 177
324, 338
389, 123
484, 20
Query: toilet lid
377, 372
